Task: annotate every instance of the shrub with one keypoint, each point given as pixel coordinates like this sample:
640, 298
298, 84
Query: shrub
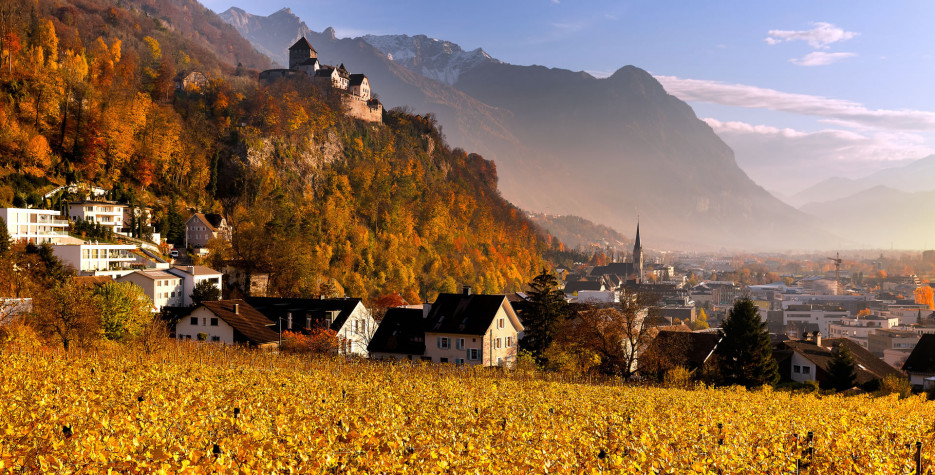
895, 385
678, 377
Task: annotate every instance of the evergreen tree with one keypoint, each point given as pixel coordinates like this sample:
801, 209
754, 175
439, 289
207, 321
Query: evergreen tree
547, 309
842, 368
205, 291
745, 351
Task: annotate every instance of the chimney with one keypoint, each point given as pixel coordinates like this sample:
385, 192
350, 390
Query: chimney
466, 290
191, 270
236, 309
289, 321
817, 337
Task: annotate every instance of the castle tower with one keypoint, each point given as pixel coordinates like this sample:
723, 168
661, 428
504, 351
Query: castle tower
300, 52
638, 256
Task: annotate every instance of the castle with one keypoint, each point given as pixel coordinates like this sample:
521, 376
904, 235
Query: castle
355, 88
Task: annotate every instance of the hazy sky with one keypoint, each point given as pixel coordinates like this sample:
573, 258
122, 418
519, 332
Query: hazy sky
801, 90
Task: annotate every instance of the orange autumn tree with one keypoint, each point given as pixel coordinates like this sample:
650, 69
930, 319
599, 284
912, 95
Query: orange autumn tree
925, 295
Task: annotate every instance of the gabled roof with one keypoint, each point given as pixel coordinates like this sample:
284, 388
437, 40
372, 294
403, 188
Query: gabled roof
679, 348
278, 308
922, 358
618, 268
204, 220
302, 43
399, 332
248, 322
93, 280
465, 314
579, 285
868, 366
357, 79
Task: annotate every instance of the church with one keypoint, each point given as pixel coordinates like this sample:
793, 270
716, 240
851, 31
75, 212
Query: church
632, 270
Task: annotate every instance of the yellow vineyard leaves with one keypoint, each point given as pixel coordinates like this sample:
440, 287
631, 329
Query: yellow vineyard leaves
213, 409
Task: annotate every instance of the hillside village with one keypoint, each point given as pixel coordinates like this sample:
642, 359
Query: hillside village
807, 316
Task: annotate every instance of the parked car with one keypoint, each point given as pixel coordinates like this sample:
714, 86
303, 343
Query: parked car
174, 253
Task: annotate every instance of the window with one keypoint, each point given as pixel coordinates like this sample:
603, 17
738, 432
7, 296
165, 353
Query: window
214, 322
509, 341
215, 338
459, 361
500, 323
194, 321
459, 344
443, 360
474, 354
796, 369
806, 370
444, 343
497, 343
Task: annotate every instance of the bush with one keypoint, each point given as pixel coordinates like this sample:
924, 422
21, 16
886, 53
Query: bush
678, 378
895, 385
20, 335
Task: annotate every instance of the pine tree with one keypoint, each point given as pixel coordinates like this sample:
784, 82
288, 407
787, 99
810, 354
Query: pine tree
5, 239
547, 309
842, 368
745, 351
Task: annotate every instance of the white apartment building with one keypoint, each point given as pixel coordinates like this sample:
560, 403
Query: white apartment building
858, 329
163, 288
192, 276
37, 226
105, 213
98, 259
821, 315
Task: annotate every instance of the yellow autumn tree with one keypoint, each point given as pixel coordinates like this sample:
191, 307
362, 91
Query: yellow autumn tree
925, 295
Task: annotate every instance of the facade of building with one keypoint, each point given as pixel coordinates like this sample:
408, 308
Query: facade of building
37, 226
202, 228
821, 315
858, 329
163, 288
106, 213
348, 317
229, 322
98, 259
472, 330
192, 276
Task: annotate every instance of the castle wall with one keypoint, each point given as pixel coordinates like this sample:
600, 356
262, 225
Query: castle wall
358, 108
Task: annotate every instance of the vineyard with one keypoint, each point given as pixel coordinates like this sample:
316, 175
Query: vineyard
214, 409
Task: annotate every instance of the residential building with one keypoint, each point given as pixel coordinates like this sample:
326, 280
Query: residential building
98, 259
37, 226
471, 330
192, 276
857, 328
163, 288
348, 317
106, 213
670, 348
229, 322
920, 365
807, 360
821, 315
201, 228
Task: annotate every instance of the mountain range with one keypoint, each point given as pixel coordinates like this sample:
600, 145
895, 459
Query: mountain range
914, 177
565, 142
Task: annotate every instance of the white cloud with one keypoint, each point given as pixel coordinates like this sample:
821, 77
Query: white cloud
821, 58
820, 36
741, 95
789, 160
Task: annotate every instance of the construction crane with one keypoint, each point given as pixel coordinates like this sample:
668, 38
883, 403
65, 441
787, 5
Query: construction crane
837, 271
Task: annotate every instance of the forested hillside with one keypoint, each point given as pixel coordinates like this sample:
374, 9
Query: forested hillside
89, 94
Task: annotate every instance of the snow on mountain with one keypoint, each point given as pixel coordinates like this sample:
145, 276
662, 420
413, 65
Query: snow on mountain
440, 60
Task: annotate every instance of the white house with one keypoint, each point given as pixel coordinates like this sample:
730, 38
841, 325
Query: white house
472, 330
348, 317
163, 288
192, 276
37, 226
98, 259
858, 329
820, 315
105, 213
229, 322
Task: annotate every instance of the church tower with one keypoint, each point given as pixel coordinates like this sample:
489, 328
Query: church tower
638, 256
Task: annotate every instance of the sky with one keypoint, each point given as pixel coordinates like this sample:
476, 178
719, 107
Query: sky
800, 90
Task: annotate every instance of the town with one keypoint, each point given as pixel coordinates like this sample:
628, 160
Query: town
886, 323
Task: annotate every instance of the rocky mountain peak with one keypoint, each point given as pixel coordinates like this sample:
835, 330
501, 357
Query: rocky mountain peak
437, 59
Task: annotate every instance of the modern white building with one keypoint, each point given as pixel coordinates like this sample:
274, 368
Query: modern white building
37, 226
163, 288
98, 259
858, 329
105, 213
820, 315
192, 276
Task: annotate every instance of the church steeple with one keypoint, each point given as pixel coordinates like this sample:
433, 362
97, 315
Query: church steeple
638, 255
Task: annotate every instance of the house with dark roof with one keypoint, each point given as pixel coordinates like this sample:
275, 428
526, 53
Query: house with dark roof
348, 317
400, 335
573, 287
920, 365
472, 330
227, 321
808, 360
678, 347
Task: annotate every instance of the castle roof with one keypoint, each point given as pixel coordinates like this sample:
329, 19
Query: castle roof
357, 79
302, 44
